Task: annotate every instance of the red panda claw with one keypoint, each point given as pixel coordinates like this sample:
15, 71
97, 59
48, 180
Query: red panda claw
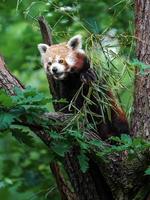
88, 76
83, 79
92, 74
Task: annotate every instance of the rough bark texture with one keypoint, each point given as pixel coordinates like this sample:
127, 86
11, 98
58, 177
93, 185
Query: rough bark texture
8, 81
141, 115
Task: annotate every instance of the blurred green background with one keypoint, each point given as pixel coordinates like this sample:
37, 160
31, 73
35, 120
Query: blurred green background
24, 171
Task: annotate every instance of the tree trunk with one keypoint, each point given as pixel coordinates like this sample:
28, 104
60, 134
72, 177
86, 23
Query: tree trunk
141, 114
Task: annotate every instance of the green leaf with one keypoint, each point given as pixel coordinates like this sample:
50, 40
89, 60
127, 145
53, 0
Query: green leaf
29, 96
55, 135
6, 120
141, 65
75, 133
83, 144
147, 171
96, 143
22, 134
5, 99
60, 101
115, 139
60, 148
83, 162
126, 139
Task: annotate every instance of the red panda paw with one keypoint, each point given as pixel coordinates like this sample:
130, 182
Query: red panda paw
88, 76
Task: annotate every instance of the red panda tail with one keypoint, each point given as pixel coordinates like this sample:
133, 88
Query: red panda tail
119, 120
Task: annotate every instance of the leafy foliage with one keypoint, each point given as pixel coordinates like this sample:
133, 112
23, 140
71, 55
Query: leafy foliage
142, 66
147, 172
83, 161
25, 108
21, 133
6, 119
132, 146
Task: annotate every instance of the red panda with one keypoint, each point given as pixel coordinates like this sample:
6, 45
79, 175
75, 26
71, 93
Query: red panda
69, 66
62, 59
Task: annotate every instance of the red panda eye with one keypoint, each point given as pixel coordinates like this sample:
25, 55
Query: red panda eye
61, 61
49, 63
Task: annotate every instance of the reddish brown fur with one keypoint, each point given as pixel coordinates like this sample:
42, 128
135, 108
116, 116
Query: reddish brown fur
116, 108
79, 61
58, 49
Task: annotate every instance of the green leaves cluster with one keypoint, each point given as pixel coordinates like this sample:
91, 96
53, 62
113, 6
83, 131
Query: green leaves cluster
125, 143
26, 106
23, 109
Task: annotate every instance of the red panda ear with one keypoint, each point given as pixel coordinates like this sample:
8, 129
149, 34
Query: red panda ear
42, 48
75, 42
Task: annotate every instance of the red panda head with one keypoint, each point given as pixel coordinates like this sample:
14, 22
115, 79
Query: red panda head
61, 59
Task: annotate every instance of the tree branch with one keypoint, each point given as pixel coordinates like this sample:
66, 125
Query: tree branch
45, 31
64, 189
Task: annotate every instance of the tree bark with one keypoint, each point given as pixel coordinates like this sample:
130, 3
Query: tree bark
141, 115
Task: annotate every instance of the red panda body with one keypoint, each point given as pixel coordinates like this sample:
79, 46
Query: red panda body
69, 67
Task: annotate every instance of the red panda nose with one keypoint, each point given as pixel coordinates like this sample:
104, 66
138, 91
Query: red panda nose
54, 69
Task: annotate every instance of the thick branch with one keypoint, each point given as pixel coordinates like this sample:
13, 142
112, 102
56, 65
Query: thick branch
66, 193
7, 80
58, 116
45, 31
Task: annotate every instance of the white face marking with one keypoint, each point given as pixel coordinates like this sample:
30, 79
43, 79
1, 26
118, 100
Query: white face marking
57, 70
57, 58
60, 77
59, 67
81, 51
50, 59
70, 61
